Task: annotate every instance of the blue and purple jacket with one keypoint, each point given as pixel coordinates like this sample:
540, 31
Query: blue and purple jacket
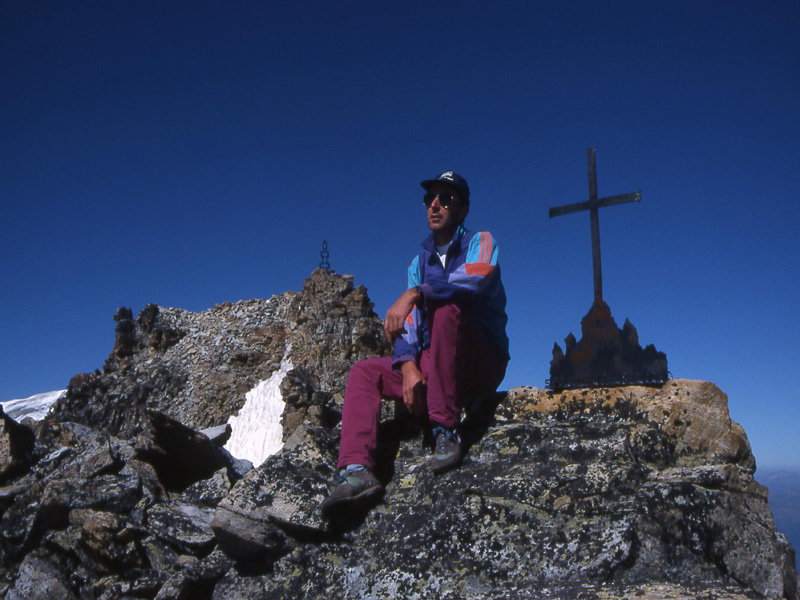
471, 278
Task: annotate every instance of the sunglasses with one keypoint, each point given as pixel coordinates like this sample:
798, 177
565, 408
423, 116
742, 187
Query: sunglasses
445, 200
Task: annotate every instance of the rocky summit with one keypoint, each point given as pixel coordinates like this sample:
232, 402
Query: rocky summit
197, 367
126, 491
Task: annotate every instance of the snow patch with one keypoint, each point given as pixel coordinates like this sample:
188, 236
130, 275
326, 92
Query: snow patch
36, 407
256, 430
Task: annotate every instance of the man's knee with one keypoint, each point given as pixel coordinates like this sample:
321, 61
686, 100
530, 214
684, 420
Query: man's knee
368, 371
362, 369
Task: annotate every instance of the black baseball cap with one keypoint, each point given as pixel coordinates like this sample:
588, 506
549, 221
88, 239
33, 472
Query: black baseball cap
452, 179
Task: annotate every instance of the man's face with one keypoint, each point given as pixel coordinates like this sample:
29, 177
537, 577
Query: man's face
444, 221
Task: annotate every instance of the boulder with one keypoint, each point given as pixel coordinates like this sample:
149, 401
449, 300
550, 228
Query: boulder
208, 492
183, 526
16, 447
180, 455
40, 578
274, 503
196, 581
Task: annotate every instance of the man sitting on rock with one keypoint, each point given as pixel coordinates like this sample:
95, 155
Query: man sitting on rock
449, 327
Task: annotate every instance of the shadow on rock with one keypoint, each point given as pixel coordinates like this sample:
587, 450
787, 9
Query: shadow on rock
351, 515
480, 415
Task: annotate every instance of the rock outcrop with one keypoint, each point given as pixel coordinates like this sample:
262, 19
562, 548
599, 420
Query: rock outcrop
625, 492
197, 367
603, 491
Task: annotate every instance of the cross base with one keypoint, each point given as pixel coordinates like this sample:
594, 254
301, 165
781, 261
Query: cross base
605, 356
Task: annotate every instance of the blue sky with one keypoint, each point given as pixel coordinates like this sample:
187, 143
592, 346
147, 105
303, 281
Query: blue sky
191, 153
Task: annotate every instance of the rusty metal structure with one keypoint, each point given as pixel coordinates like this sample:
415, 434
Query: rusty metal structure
606, 355
324, 255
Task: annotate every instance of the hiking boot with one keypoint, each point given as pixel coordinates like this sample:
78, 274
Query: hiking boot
353, 486
447, 450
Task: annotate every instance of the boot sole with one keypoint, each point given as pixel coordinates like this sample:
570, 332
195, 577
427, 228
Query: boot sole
362, 498
439, 468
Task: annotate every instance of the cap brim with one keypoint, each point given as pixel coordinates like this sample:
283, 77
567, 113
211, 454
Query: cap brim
428, 183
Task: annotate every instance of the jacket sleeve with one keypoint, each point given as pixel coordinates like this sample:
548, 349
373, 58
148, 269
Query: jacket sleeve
407, 346
468, 279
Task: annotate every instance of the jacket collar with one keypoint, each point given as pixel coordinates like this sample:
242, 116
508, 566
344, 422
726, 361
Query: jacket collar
430, 245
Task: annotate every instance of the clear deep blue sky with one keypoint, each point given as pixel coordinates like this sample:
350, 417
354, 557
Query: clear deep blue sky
191, 153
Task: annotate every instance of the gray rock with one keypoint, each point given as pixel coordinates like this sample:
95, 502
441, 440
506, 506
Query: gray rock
102, 541
9, 492
141, 584
218, 435
160, 555
246, 532
16, 447
235, 587
185, 526
106, 492
197, 580
39, 578
275, 502
238, 467
208, 492
180, 455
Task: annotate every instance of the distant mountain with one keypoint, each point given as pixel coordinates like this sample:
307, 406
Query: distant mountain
784, 500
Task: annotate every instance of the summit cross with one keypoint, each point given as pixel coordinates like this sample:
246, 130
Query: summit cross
592, 205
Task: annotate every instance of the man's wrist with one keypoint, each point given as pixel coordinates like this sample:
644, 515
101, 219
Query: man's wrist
419, 297
408, 365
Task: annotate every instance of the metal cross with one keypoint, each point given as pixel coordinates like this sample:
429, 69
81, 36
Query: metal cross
592, 205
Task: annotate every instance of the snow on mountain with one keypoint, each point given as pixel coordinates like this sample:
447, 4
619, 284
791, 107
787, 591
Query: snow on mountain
36, 407
256, 430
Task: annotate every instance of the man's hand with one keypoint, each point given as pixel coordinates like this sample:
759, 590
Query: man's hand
394, 325
413, 388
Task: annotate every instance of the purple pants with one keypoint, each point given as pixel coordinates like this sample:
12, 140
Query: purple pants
461, 360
